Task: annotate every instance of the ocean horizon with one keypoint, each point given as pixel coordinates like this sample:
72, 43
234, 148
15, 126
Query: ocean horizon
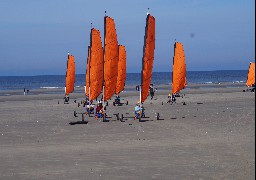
158, 78
127, 73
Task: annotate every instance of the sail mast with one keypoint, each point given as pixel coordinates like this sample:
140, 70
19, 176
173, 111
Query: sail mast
89, 88
103, 82
88, 71
66, 76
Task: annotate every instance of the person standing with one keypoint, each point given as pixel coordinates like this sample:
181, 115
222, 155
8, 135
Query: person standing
24, 91
152, 91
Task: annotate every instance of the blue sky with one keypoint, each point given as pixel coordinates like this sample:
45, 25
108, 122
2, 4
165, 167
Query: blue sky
35, 35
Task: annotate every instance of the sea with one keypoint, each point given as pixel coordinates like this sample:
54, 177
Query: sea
158, 78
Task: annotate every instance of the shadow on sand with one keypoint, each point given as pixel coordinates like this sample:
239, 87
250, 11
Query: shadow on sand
78, 122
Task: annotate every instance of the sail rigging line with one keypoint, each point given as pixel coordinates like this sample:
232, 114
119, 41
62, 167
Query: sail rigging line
103, 82
87, 76
89, 68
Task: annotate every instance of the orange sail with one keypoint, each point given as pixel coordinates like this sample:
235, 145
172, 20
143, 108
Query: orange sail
94, 69
121, 76
179, 69
70, 75
110, 58
148, 57
251, 75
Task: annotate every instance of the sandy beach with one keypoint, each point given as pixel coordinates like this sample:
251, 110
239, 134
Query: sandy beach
211, 137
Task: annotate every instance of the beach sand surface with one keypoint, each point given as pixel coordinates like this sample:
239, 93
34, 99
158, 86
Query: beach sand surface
211, 137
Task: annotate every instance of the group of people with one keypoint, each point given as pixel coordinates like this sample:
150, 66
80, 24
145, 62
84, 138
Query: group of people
89, 109
100, 109
171, 98
139, 110
24, 92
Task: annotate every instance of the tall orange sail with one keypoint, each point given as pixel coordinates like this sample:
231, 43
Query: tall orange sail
179, 69
251, 75
70, 75
110, 58
94, 69
148, 57
121, 76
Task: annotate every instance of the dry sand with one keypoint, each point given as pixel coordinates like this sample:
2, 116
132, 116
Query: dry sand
211, 137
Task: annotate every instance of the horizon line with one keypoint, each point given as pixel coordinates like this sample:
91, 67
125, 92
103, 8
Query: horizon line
127, 73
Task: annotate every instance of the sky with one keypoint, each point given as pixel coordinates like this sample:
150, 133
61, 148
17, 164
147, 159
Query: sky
36, 35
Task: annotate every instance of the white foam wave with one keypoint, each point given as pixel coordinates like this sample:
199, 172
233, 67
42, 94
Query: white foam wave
49, 87
238, 82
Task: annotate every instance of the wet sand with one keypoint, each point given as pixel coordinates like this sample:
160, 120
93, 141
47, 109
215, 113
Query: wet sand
211, 137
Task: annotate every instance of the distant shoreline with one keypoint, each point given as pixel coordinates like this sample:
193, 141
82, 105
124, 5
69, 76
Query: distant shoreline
127, 73
57, 82
162, 89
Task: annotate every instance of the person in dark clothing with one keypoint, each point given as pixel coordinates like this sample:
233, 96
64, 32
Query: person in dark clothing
99, 111
152, 91
138, 88
66, 99
117, 100
173, 98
